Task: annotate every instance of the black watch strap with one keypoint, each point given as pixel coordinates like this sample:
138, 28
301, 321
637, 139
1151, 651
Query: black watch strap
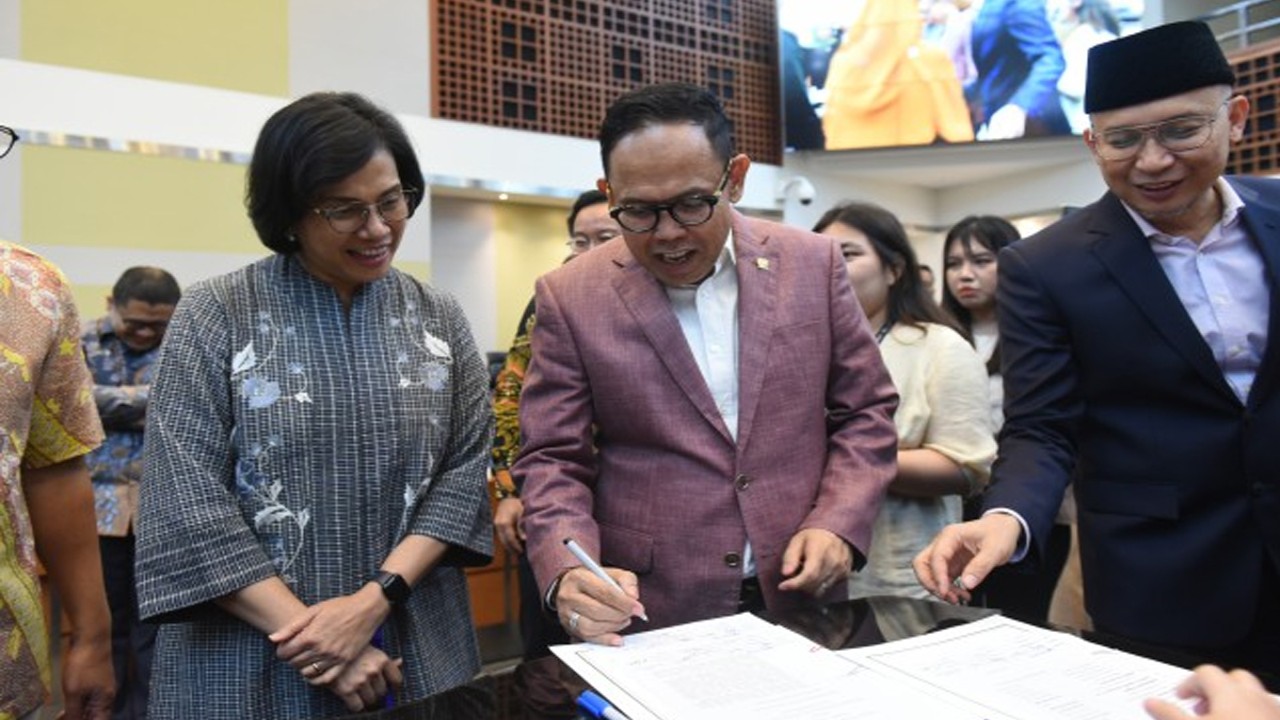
394, 588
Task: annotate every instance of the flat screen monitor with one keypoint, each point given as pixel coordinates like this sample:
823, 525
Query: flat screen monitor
888, 73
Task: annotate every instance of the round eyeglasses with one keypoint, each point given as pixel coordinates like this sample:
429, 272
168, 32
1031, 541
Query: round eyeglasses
687, 211
350, 217
1177, 135
8, 138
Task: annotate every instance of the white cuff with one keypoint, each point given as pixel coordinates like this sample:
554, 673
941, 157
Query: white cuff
1024, 542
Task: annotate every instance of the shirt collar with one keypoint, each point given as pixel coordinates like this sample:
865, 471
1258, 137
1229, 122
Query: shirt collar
1231, 207
728, 255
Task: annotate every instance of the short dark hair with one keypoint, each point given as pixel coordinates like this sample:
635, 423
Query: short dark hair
667, 103
909, 302
150, 285
314, 143
993, 233
585, 200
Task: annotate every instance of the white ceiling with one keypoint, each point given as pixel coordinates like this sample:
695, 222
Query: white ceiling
943, 166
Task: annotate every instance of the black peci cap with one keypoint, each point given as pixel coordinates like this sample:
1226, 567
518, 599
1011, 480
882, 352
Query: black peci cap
1157, 63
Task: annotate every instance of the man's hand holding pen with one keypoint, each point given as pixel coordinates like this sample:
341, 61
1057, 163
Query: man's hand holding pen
593, 610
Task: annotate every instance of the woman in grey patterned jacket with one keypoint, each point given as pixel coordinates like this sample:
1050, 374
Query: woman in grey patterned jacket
317, 445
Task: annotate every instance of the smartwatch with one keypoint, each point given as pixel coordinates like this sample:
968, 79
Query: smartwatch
394, 588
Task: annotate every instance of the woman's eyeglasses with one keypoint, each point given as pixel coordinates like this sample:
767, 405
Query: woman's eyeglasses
351, 217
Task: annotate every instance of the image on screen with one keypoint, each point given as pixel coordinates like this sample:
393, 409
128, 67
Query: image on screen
887, 73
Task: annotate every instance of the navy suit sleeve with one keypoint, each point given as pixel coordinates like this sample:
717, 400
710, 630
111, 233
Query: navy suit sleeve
1043, 403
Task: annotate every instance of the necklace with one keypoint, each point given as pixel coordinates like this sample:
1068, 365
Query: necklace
883, 332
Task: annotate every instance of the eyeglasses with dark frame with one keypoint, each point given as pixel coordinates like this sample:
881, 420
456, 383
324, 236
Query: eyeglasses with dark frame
8, 138
1177, 135
350, 217
687, 211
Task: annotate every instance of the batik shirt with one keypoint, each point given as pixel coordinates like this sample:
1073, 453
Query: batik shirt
289, 437
506, 407
122, 379
46, 417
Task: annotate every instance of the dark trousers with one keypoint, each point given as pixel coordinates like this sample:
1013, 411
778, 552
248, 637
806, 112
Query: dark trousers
131, 639
1025, 594
539, 630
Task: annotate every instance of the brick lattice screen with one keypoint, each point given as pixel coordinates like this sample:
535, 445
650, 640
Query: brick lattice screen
553, 66
1258, 78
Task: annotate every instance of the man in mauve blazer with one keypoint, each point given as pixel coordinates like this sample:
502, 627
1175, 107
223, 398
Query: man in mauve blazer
630, 443
1134, 341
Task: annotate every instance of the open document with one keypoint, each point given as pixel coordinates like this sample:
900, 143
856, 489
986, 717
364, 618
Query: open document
745, 668
1014, 670
741, 667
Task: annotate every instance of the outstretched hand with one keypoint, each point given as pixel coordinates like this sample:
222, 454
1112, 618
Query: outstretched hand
962, 555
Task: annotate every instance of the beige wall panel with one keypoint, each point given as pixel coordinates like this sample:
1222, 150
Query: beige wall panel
233, 44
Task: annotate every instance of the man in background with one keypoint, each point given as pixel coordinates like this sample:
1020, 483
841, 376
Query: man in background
1136, 360
706, 412
47, 425
121, 349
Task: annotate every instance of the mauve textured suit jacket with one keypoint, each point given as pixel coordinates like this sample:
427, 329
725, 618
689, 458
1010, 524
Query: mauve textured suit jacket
1108, 381
660, 488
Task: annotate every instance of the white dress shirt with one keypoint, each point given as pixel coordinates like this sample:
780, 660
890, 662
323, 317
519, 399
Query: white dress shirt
708, 315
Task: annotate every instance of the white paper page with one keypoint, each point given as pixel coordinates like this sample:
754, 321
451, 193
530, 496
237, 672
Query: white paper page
742, 667
1027, 672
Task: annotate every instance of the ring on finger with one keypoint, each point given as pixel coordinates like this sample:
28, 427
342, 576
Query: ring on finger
574, 618
315, 667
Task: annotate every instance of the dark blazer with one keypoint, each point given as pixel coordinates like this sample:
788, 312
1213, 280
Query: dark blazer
1019, 61
1177, 481
625, 451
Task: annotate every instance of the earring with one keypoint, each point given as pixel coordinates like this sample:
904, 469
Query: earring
293, 239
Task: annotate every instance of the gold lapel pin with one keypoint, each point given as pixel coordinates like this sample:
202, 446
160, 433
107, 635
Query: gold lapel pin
762, 263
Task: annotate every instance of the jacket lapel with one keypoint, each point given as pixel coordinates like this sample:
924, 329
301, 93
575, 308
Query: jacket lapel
758, 269
1127, 255
651, 308
1263, 222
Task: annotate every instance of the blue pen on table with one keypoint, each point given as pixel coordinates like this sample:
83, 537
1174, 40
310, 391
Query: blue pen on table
597, 707
595, 568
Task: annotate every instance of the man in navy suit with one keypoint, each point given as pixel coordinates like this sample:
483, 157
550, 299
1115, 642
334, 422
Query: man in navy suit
1134, 338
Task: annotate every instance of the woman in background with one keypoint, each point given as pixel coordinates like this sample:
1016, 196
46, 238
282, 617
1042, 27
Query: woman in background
317, 445
945, 442
969, 261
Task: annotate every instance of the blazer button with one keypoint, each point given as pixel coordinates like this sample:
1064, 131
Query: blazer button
732, 559
742, 482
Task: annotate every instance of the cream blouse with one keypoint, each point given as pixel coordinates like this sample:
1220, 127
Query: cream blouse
943, 406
